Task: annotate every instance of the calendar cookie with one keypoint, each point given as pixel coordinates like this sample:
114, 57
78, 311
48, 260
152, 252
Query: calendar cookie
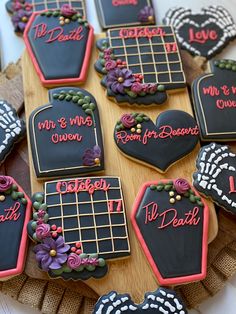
78, 224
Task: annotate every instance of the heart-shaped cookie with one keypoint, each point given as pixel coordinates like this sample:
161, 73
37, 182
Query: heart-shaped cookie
159, 145
204, 34
215, 175
161, 301
59, 43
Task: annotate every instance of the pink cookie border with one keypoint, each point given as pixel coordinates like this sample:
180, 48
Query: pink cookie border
176, 280
24, 241
59, 82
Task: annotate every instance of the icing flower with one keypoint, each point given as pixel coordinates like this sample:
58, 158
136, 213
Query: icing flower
51, 254
92, 156
181, 186
20, 19
43, 231
5, 183
146, 15
74, 261
136, 87
128, 120
145, 88
110, 65
41, 213
40, 221
21, 4
119, 79
67, 10
93, 261
152, 88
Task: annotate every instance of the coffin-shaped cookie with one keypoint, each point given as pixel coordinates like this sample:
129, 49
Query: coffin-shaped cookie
15, 212
159, 145
214, 99
65, 135
78, 224
59, 43
170, 220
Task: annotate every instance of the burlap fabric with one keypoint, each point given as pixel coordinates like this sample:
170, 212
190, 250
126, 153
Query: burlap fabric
57, 296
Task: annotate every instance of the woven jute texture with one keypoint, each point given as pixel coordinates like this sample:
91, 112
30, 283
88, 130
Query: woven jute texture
57, 296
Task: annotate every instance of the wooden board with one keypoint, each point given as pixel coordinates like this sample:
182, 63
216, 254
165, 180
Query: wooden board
133, 274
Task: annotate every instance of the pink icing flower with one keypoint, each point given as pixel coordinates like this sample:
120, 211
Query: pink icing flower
43, 231
41, 213
5, 183
181, 186
67, 10
136, 87
110, 65
152, 88
73, 261
145, 88
128, 120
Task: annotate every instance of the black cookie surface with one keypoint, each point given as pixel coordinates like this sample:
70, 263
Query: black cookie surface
204, 34
88, 216
65, 135
171, 223
160, 301
115, 13
215, 175
60, 50
173, 136
214, 97
12, 129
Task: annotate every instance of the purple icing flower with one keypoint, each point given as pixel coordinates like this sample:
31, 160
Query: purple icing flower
92, 156
41, 213
181, 186
74, 261
5, 183
67, 10
20, 19
146, 15
110, 65
119, 79
136, 87
40, 221
93, 261
43, 231
128, 120
51, 254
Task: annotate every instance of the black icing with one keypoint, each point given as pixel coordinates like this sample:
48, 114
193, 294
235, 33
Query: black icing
176, 251
114, 16
215, 165
66, 157
58, 60
161, 301
161, 152
216, 123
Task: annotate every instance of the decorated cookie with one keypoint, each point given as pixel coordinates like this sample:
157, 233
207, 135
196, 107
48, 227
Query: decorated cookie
159, 145
78, 224
138, 64
12, 129
215, 175
65, 135
115, 13
161, 301
202, 34
15, 212
214, 97
170, 220
59, 43
23, 9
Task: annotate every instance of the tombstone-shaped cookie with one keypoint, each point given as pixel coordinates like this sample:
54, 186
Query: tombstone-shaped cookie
202, 34
65, 135
215, 175
139, 64
214, 98
21, 10
12, 129
161, 301
170, 220
59, 43
15, 212
115, 13
77, 225
157, 145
